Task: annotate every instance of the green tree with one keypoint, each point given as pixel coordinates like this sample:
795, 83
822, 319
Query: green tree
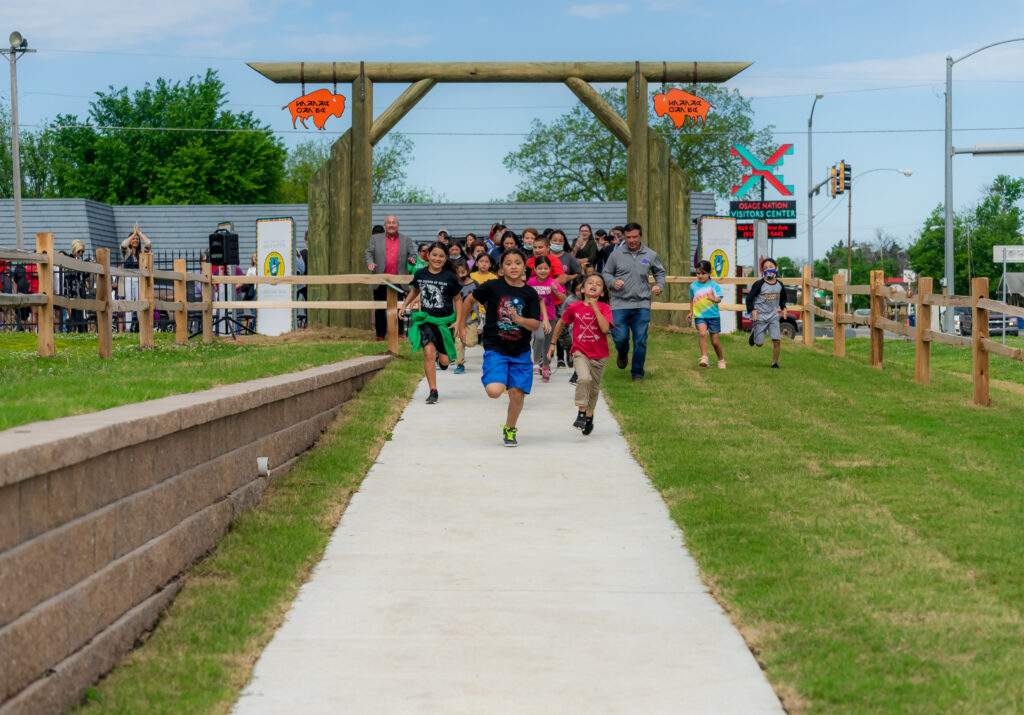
170, 143
575, 158
390, 158
37, 159
995, 220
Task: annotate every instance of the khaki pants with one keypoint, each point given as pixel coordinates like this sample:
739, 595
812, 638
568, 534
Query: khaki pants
472, 338
588, 385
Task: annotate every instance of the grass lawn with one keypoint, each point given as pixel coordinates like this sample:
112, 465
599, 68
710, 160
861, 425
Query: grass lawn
863, 531
202, 651
76, 381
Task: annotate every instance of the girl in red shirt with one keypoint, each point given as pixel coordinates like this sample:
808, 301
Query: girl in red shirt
591, 320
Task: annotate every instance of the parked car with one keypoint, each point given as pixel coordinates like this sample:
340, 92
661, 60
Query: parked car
998, 323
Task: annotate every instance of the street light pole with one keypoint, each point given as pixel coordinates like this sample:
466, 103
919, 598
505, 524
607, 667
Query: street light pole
947, 323
810, 198
19, 45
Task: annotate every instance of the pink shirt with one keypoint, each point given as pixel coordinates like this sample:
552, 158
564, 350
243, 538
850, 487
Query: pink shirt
546, 295
391, 254
587, 336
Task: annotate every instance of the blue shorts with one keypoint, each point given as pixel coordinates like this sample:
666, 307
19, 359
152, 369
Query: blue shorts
714, 324
509, 371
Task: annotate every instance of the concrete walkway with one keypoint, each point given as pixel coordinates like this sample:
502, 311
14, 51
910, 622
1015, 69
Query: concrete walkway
470, 578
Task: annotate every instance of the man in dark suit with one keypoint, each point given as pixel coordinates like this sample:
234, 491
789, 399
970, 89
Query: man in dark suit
390, 253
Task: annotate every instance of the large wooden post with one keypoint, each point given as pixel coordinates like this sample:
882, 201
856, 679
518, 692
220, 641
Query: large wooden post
44, 323
637, 154
319, 234
360, 214
339, 236
877, 313
923, 348
979, 331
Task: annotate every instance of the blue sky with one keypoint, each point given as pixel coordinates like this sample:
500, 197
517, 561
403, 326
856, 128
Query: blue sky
880, 65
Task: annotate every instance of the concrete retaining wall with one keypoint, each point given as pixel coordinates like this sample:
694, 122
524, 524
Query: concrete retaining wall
101, 513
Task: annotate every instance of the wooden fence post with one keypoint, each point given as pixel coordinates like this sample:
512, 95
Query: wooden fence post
44, 323
104, 318
146, 294
808, 301
923, 322
207, 300
979, 331
393, 321
877, 312
838, 313
181, 296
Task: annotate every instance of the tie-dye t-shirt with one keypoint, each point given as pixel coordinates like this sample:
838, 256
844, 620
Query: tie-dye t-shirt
700, 299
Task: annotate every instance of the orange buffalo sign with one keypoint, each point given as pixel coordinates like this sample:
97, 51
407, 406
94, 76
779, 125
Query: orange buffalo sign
680, 105
319, 105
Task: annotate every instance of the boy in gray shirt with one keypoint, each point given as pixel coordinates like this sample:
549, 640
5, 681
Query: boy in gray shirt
766, 299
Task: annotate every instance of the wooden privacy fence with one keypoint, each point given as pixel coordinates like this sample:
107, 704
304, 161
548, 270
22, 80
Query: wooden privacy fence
46, 299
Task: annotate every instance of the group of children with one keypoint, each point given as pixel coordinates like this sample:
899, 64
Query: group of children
519, 311
765, 300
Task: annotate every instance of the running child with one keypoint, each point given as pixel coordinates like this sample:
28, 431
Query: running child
573, 294
437, 288
591, 319
765, 302
705, 295
513, 313
467, 285
483, 271
550, 293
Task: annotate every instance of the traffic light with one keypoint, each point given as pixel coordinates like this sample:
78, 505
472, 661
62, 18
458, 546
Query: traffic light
841, 175
832, 182
847, 176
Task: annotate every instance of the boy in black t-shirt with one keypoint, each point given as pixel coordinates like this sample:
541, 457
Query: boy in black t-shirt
437, 287
513, 313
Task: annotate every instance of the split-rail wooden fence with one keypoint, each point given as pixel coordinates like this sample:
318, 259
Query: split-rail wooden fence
925, 299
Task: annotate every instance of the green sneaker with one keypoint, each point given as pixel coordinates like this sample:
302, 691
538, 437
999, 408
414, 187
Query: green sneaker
509, 436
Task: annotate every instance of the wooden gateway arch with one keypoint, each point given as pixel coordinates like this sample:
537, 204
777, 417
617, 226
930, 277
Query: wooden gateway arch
340, 192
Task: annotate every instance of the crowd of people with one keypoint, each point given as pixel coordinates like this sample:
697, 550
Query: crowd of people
533, 299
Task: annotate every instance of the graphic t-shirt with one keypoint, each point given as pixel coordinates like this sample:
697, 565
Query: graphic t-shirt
500, 333
767, 301
587, 337
436, 291
700, 299
546, 295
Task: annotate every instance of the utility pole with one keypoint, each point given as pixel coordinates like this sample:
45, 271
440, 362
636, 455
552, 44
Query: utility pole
19, 45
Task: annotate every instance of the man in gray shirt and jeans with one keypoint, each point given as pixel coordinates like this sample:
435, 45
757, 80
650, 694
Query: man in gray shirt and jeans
625, 273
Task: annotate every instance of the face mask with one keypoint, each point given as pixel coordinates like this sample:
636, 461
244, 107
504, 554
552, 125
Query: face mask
557, 247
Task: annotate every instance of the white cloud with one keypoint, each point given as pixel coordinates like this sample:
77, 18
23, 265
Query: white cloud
598, 11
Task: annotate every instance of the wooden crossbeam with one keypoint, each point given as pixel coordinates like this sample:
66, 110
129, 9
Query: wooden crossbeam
329, 72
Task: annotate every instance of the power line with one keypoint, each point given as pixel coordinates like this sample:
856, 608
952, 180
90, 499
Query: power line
499, 134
